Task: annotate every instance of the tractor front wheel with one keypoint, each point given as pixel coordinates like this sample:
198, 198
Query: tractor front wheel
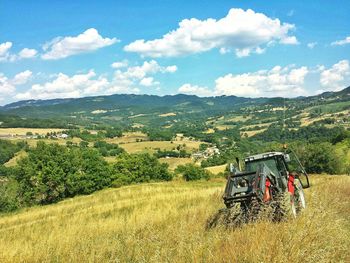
299, 195
285, 207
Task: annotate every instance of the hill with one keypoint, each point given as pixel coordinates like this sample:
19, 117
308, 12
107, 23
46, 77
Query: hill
166, 222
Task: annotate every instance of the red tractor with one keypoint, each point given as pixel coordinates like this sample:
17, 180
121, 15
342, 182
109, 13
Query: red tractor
269, 180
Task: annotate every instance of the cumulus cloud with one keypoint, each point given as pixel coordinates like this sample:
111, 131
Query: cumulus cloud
336, 77
242, 32
6, 55
22, 77
64, 86
341, 42
148, 82
87, 41
147, 68
279, 81
8, 86
4, 50
195, 90
88, 84
120, 64
27, 53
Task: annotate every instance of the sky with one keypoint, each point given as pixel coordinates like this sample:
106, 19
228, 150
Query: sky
67, 49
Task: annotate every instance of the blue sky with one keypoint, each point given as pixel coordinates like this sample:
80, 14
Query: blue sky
58, 49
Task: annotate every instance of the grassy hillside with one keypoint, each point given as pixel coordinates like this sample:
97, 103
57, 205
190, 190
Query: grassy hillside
165, 222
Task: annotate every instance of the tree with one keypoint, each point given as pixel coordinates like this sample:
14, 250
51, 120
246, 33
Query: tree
191, 172
321, 158
138, 168
52, 172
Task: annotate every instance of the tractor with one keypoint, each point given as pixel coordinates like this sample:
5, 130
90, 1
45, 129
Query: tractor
269, 180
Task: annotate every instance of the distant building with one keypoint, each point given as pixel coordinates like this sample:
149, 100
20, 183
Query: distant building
209, 152
62, 136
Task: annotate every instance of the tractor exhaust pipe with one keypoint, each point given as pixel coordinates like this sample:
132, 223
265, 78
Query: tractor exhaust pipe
239, 164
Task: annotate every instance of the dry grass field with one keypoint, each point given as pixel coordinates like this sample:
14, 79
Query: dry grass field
151, 146
129, 137
175, 162
23, 131
12, 162
251, 133
216, 169
169, 114
165, 222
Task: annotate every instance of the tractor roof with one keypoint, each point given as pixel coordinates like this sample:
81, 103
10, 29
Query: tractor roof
263, 156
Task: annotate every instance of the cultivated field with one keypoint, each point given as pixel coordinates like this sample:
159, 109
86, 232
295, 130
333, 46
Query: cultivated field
23, 131
129, 137
175, 162
165, 222
151, 146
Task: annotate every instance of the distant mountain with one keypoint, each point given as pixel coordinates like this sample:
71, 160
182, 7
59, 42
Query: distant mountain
124, 105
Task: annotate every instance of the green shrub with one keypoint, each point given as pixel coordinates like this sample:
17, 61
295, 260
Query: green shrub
191, 172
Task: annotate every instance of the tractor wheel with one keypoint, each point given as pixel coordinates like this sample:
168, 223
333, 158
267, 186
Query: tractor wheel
299, 195
285, 207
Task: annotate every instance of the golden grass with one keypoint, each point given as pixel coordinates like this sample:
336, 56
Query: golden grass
165, 222
175, 162
223, 127
151, 146
129, 137
252, 133
210, 130
13, 161
23, 131
217, 169
169, 114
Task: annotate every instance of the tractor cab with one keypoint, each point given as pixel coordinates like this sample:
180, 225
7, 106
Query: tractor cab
276, 162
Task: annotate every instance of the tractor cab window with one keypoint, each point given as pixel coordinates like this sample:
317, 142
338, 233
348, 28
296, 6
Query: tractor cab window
281, 165
270, 163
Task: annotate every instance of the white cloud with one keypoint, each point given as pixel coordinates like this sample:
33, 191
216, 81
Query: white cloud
88, 84
67, 46
289, 41
139, 72
336, 77
4, 50
5, 54
240, 31
195, 90
120, 64
27, 53
311, 45
341, 42
22, 77
8, 86
64, 86
148, 82
171, 69
278, 81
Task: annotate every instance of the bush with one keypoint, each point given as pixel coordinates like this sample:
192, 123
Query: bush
191, 172
139, 168
321, 158
8, 195
52, 172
